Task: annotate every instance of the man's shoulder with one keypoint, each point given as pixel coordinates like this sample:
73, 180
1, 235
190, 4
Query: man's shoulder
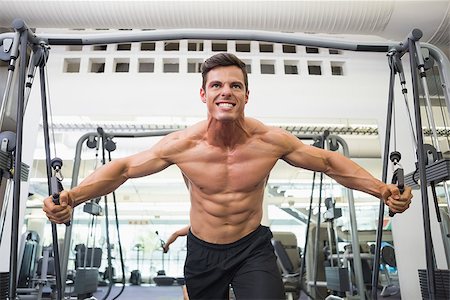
190, 133
259, 127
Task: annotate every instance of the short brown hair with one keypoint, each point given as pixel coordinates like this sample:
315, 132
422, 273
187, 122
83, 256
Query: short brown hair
223, 60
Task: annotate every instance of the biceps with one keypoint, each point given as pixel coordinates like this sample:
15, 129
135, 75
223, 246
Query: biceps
142, 165
308, 158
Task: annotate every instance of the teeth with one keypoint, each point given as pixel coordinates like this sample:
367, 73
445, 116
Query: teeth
227, 105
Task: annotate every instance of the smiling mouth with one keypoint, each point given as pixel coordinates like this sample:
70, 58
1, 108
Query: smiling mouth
225, 105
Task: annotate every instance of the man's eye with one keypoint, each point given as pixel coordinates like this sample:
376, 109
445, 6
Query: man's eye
215, 85
236, 86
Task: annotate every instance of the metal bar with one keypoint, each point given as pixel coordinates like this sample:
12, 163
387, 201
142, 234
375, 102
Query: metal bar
17, 167
317, 236
423, 178
11, 68
55, 245
443, 64
354, 232
212, 34
387, 139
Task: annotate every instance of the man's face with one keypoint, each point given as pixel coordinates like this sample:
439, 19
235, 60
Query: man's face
224, 93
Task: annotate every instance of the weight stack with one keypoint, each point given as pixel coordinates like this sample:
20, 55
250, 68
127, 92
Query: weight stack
4, 285
442, 281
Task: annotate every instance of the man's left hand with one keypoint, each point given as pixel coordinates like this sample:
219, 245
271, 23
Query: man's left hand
397, 202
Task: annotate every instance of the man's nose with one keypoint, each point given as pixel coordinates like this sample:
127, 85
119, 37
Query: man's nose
226, 89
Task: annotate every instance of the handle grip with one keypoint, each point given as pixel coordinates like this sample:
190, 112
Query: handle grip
56, 188
399, 178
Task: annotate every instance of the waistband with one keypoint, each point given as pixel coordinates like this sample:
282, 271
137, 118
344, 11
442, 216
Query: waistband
259, 231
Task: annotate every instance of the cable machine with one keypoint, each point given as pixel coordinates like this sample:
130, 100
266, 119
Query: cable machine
24, 39
425, 168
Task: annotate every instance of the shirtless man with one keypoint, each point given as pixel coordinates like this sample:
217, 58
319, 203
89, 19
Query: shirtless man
226, 161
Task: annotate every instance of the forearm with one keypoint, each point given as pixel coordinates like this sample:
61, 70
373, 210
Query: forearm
353, 176
103, 181
171, 239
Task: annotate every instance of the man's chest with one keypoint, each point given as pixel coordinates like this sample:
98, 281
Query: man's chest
240, 170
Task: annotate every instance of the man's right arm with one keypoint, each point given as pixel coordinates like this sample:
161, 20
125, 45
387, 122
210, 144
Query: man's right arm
108, 178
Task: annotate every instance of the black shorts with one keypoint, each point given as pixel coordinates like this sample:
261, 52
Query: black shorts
248, 265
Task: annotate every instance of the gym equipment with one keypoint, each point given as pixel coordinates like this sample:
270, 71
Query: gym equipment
289, 263
162, 279
423, 152
442, 281
42, 281
87, 257
135, 278
39, 58
388, 260
23, 36
27, 259
337, 277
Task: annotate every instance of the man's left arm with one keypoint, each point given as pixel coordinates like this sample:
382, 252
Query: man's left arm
345, 172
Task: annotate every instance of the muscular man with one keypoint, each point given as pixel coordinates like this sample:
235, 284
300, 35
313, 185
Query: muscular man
226, 161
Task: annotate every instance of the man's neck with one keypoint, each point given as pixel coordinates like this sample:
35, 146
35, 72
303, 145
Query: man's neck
226, 133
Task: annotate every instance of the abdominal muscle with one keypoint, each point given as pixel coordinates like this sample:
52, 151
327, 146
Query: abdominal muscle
225, 218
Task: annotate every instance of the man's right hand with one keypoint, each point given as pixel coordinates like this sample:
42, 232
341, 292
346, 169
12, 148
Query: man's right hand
61, 213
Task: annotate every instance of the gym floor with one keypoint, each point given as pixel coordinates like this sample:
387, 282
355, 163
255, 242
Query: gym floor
150, 292
153, 292
142, 292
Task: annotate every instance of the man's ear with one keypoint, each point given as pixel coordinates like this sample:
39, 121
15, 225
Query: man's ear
202, 95
246, 96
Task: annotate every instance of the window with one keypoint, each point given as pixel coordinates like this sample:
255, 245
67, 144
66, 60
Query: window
146, 66
172, 46
194, 65
99, 47
171, 66
97, 65
265, 47
242, 47
267, 67
148, 46
312, 50
289, 49
71, 65
74, 48
195, 46
248, 66
123, 47
314, 68
121, 65
337, 68
334, 51
290, 67
219, 46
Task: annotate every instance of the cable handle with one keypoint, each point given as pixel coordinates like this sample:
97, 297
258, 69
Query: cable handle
56, 186
398, 178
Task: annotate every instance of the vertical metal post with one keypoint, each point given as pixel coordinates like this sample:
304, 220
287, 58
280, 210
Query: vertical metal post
317, 237
49, 175
422, 176
357, 265
376, 263
18, 164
